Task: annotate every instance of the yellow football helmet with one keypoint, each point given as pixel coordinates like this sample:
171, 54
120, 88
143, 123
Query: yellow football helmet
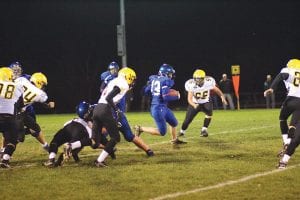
293, 63
199, 76
39, 80
128, 74
6, 74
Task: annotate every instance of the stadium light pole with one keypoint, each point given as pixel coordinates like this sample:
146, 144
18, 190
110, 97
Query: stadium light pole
121, 35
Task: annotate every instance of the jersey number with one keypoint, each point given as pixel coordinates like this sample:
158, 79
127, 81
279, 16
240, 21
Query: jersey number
7, 91
155, 88
297, 79
201, 95
28, 96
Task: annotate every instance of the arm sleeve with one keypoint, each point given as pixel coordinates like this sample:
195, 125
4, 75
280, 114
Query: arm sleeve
278, 78
116, 90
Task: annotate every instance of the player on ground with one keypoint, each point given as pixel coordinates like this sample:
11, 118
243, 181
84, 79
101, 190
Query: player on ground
102, 114
198, 89
10, 94
34, 93
76, 131
124, 127
159, 87
291, 106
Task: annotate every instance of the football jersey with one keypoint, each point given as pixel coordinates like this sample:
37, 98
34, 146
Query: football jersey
121, 83
31, 92
201, 94
83, 123
293, 82
158, 85
10, 92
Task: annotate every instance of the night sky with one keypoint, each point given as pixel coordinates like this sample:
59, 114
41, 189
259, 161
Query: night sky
72, 42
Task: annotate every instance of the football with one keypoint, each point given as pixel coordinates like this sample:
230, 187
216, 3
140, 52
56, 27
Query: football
173, 92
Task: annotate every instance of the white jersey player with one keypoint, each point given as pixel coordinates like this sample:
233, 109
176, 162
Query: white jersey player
119, 82
10, 94
33, 92
290, 75
198, 90
102, 114
201, 93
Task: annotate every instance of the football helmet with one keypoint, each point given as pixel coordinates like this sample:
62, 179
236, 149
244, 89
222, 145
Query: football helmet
167, 71
199, 76
293, 63
17, 69
128, 74
6, 74
113, 68
39, 80
82, 109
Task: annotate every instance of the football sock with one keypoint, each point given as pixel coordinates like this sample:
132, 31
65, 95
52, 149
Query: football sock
286, 158
102, 156
52, 155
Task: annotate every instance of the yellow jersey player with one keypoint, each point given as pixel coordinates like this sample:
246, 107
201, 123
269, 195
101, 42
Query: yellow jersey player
33, 92
198, 89
103, 116
290, 75
10, 94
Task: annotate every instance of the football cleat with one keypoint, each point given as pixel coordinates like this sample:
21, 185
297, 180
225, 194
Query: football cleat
67, 151
282, 151
177, 141
100, 164
281, 165
149, 153
137, 130
60, 160
4, 164
204, 133
50, 163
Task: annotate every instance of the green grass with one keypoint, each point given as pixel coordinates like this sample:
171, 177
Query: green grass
240, 144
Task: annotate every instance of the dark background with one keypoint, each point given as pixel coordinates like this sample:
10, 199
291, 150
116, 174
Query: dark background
72, 42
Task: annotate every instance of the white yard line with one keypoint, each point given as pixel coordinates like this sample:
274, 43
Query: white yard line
220, 185
154, 144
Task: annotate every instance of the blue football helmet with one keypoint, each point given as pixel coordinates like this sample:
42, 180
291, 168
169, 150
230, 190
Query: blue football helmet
17, 69
113, 68
166, 70
82, 109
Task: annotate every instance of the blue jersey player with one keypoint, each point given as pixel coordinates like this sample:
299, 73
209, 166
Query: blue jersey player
124, 127
159, 87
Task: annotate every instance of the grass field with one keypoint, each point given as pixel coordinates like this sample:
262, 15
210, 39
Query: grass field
237, 161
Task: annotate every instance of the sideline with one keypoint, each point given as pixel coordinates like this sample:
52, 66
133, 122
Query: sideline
219, 185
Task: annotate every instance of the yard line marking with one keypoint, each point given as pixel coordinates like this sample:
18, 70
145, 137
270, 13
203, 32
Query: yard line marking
219, 185
154, 144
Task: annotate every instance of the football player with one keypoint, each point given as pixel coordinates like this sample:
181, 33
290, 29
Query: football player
76, 131
198, 98
33, 93
124, 127
290, 75
159, 87
10, 94
103, 116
